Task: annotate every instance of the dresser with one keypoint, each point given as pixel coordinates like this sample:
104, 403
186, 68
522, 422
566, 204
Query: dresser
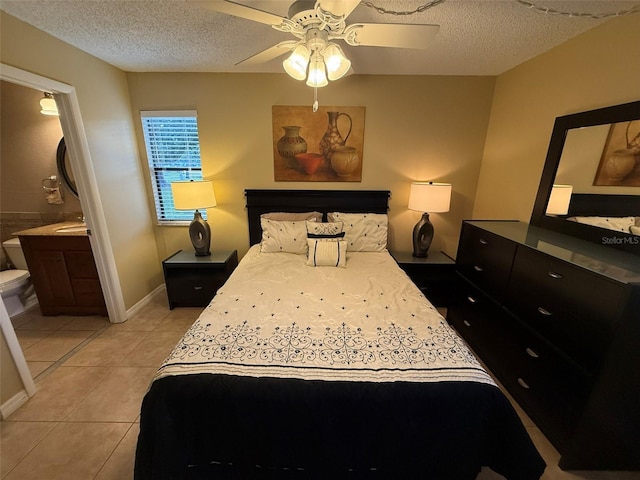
557, 321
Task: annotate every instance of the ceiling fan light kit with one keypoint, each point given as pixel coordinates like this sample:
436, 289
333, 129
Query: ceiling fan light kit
314, 56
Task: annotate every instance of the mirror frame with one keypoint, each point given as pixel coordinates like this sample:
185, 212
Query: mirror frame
61, 162
614, 114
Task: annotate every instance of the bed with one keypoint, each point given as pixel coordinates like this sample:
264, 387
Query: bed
327, 372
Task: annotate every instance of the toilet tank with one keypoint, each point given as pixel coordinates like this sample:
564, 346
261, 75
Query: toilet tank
14, 252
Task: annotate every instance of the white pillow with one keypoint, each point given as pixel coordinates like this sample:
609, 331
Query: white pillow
619, 224
325, 230
364, 232
293, 216
326, 253
283, 236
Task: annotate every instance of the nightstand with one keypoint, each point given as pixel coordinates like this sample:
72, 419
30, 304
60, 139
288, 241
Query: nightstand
193, 281
435, 275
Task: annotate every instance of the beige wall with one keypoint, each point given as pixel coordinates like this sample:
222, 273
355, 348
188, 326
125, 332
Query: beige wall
596, 69
104, 103
29, 142
416, 128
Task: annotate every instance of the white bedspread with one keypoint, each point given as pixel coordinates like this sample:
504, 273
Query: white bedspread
277, 317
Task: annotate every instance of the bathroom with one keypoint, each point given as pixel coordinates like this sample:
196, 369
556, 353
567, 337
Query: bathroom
28, 196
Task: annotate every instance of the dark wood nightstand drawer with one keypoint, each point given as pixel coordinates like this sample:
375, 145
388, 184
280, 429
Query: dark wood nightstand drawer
485, 259
434, 275
193, 281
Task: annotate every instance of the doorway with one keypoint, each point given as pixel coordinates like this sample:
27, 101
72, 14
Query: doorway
80, 159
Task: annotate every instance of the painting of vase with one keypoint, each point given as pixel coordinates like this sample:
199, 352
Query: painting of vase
323, 133
620, 160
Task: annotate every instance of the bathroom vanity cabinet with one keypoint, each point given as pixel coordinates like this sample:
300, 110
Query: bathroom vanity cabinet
64, 274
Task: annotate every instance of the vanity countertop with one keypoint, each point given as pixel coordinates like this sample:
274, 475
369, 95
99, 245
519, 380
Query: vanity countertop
62, 229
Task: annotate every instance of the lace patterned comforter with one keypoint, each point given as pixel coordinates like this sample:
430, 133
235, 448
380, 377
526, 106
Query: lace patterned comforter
366, 322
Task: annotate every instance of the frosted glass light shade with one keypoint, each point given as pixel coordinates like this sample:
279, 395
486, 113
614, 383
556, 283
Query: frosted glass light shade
193, 195
559, 200
296, 64
48, 105
430, 197
317, 75
337, 64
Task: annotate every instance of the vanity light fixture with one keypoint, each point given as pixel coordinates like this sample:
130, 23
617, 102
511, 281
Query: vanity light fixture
48, 105
559, 200
191, 195
427, 197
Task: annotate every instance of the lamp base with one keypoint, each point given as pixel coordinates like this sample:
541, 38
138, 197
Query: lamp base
422, 236
200, 234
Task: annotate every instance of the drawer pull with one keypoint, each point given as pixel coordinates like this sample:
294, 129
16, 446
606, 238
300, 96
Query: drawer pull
477, 268
555, 275
467, 324
531, 353
523, 384
471, 300
483, 241
544, 312
197, 288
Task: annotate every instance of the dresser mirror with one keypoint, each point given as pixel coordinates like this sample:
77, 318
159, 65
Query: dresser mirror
595, 156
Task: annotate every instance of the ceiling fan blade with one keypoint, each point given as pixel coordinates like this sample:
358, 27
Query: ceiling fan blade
270, 53
242, 11
397, 35
338, 7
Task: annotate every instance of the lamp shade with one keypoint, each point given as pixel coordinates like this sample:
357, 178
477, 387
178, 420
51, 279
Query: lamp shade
192, 195
48, 105
559, 200
430, 197
296, 64
337, 64
317, 75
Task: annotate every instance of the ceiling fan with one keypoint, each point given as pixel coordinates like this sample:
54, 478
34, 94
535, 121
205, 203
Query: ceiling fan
315, 24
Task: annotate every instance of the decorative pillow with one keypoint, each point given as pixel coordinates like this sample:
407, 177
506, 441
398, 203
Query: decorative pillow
324, 230
327, 253
634, 230
283, 236
364, 232
293, 216
619, 224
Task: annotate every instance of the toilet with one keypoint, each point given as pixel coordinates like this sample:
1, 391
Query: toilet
17, 292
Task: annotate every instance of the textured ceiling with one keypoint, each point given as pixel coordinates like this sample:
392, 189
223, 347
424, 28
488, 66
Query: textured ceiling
477, 37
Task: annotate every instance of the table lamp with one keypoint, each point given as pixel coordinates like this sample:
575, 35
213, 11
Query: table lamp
192, 195
427, 197
559, 200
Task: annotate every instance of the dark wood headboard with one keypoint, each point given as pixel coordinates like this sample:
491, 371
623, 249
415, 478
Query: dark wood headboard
349, 201
594, 205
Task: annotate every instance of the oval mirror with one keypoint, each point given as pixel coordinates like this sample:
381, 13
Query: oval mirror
64, 168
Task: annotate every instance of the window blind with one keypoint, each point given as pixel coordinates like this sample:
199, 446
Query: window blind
173, 152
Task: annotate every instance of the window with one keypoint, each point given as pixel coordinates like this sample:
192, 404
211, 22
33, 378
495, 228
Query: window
173, 152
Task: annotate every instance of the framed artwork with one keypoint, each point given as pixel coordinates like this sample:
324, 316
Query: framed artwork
322, 146
620, 161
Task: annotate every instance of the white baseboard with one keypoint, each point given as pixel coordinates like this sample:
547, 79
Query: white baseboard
11, 405
145, 301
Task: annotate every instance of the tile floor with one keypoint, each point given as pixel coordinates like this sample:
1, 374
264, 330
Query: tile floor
91, 376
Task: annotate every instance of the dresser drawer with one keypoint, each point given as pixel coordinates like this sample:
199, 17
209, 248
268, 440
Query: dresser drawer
572, 308
479, 321
485, 259
551, 388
